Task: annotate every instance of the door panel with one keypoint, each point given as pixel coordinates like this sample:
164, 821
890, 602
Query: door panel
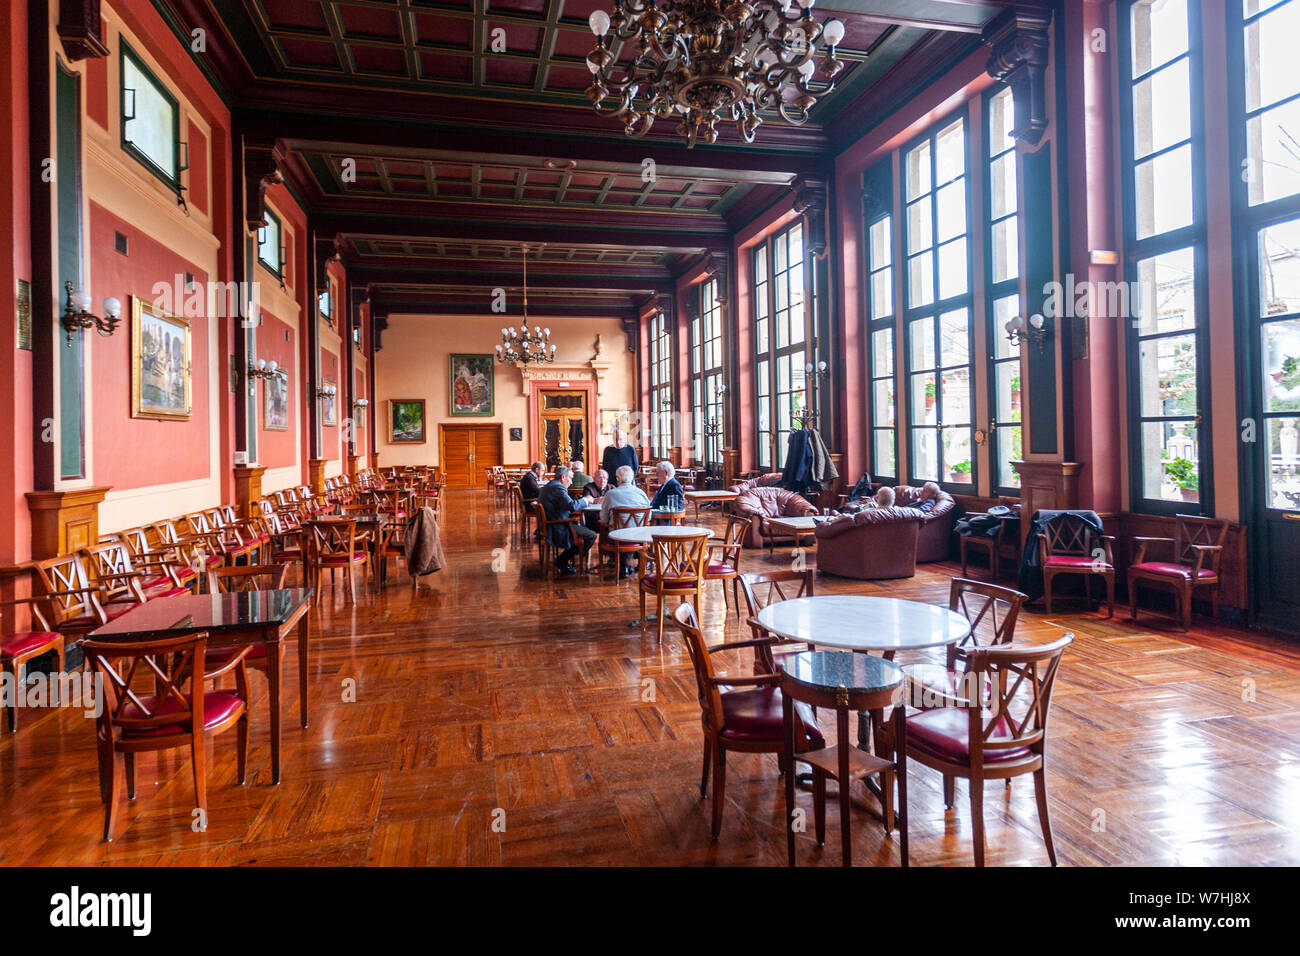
563, 428
466, 450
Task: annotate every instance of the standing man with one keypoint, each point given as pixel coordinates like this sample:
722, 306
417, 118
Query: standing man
558, 504
619, 453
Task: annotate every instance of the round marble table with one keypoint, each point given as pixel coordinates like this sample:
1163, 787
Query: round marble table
642, 535
855, 622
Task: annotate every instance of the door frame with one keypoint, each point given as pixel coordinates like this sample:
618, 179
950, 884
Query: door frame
444, 427
575, 384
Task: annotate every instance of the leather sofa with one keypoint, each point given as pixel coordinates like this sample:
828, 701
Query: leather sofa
934, 540
762, 481
760, 503
872, 544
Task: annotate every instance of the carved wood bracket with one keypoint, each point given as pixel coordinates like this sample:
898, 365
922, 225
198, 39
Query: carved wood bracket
261, 172
1019, 39
810, 202
81, 29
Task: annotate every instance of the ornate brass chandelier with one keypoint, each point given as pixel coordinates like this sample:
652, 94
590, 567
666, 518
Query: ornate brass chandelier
710, 60
520, 346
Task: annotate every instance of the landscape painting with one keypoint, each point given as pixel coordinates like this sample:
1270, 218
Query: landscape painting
160, 363
406, 421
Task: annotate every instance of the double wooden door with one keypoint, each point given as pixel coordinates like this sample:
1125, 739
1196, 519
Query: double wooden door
464, 451
562, 427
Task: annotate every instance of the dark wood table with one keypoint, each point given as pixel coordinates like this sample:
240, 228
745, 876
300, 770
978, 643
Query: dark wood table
235, 619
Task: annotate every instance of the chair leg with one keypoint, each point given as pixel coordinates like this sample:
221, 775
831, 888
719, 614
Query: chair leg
112, 787
241, 746
977, 817
949, 791
11, 667
1040, 793
708, 757
1110, 604
1047, 591
1186, 603
819, 806
130, 774
198, 753
642, 607
659, 613
1132, 599
719, 787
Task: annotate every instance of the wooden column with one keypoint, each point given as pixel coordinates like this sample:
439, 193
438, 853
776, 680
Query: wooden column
64, 521
1046, 485
316, 473
354, 464
248, 488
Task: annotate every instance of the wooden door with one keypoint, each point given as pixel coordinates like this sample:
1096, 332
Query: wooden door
562, 428
465, 451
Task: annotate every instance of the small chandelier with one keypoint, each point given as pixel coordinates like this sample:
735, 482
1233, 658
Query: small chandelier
520, 346
1035, 330
267, 370
711, 60
77, 314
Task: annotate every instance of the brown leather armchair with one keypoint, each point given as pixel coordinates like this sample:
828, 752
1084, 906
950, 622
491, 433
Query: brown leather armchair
760, 504
761, 481
873, 544
934, 540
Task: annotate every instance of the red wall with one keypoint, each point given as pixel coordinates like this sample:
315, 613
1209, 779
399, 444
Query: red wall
120, 439
331, 370
275, 449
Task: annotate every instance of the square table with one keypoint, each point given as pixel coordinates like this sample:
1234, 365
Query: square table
698, 497
797, 528
236, 619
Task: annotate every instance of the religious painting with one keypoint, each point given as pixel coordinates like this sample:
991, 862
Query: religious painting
160, 363
275, 403
472, 387
328, 404
406, 421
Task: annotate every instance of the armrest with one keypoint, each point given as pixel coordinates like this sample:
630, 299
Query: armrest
1142, 543
758, 680
228, 666
753, 642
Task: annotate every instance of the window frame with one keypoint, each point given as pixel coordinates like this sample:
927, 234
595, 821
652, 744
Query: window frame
886, 322
126, 52
936, 308
704, 378
1193, 236
774, 353
661, 384
279, 245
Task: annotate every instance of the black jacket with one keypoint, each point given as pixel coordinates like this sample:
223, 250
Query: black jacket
670, 487
529, 487
615, 458
558, 505
1031, 574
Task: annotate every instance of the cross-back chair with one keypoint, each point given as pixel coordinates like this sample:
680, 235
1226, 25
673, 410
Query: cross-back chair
624, 517
22, 646
1195, 551
72, 599
761, 588
724, 558
1069, 545
335, 545
673, 567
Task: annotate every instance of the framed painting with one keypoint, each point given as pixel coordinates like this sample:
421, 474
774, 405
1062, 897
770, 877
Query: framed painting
406, 421
328, 408
473, 390
161, 383
275, 404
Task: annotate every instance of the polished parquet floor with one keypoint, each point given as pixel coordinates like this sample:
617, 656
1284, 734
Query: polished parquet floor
495, 717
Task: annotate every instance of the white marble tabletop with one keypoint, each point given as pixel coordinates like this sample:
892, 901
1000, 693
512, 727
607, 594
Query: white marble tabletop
643, 535
854, 622
712, 495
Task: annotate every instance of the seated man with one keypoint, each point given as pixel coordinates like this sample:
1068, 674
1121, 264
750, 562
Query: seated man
598, 486
558, 504
624, 495
580, 478
530, 484
669, 487
884, 498
929, 497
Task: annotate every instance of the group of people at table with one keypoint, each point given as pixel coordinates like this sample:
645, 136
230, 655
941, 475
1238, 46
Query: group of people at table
559, 501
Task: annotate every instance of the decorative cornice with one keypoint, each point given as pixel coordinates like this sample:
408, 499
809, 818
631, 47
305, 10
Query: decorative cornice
810, 201
261, 172
718, 267
80, 28
1020, 42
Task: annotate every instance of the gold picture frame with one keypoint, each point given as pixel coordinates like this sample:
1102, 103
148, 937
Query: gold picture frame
162, 381
406, 421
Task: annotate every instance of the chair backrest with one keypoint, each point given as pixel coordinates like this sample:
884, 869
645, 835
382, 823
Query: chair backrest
762, 588
137, 540
168, 705
1018, 681
335, 539
679, 558
1191, 530
67, 586
991, 610
733, 539
1068, 534
710, 696
199, 523
247, 577
111, 565
628, 518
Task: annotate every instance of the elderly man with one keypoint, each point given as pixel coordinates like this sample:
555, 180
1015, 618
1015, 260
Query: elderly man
669, 487
929, 497
619, 453
580, 478
558, 504
624, 495
530, 484
598, 486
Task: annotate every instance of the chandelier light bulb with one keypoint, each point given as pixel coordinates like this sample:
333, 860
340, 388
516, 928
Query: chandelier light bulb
273, 365
546, 333
806, 69
833, 31
82, 300
592, 67
261, 365
1036, 320
599, 22
112, 307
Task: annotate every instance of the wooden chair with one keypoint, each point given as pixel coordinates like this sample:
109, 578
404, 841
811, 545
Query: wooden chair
120, 580
1067, 545
73, 601
545, 550
1195, 550
244, 577
391, 544
334, 545
746, 721
673, 567
130, 722
1001, 736
998, 545
762, 588
200, 552
624, 518
724, 559
226, 543
19, 648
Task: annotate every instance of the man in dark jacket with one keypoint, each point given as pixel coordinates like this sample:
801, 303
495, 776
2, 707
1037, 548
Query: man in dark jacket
529, 484
669, 487
618, 454
559, 504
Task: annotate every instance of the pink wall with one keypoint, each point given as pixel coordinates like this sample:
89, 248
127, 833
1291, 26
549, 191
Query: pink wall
275, 449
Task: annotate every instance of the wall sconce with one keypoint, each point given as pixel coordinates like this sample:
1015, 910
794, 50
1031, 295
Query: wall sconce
1035, 330
77, 315
326, 391
361, 403
264, 369
823, 369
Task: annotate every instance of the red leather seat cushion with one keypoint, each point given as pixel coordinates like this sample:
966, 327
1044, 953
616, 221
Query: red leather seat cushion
1169, 570
162, 581
15, 644
218, 705
651, 581
341, 560
1080, 561
720, 567
170, 592
186, 573
756, 715
944, 733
